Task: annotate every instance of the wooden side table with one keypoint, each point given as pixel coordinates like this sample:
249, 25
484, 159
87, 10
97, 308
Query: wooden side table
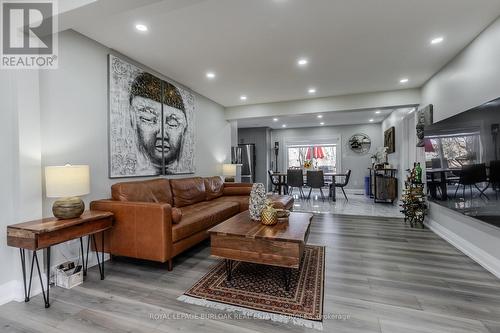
42, 234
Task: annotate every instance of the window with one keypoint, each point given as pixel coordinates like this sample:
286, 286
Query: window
453, 151
322, 157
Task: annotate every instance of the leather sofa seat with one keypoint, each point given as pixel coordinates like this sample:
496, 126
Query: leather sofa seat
241, 200
201, 216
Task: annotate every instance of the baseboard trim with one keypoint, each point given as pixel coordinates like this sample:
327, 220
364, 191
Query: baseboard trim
483, 258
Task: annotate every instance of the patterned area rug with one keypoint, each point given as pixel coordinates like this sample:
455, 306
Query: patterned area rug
259, 291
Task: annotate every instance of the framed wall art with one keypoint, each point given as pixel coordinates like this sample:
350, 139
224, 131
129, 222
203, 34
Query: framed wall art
151, 123
390, 140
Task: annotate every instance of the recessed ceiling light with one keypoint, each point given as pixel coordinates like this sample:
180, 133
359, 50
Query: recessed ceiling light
243, 97
141, 27
319, 116
372, 120
378, 112
284, 125
437, 40
210, 75
275, 119
302, 62
321, 123
404, 80
312, 90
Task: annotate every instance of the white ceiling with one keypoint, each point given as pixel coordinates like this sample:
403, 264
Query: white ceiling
353, 45
336, 118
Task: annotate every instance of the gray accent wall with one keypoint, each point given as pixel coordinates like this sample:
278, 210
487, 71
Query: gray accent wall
260, 137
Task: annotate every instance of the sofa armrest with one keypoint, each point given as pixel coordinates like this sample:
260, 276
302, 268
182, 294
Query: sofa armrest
140, 230
237, 188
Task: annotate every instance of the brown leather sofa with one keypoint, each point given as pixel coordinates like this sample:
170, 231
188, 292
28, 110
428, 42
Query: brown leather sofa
160, 218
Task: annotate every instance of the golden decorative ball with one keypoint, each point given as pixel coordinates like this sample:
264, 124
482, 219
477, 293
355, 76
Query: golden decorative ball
269, 215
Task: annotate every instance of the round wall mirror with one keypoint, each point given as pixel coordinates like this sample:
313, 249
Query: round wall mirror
360, 143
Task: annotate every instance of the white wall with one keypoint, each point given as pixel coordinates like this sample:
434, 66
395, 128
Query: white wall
20, 193
8, 175
349, 160
469, 80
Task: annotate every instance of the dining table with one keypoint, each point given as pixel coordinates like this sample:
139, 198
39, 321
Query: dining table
332, 175
441, 182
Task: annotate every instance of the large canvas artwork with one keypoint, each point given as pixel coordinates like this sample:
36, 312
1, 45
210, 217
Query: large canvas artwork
150, 123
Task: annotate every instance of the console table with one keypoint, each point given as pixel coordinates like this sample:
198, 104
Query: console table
383, 185
42, 234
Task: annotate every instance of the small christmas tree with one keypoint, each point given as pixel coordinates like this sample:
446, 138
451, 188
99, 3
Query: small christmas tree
413, 202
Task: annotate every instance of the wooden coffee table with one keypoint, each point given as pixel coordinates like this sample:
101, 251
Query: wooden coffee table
241, 239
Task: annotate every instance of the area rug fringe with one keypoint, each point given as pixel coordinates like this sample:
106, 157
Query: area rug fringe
252, 313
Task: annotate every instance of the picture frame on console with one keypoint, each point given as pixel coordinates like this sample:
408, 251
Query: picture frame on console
151, 123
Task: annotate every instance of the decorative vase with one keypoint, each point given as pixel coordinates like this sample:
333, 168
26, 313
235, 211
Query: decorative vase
257, 201
269, 215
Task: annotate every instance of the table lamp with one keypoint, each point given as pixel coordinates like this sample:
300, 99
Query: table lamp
229, 172
67, 183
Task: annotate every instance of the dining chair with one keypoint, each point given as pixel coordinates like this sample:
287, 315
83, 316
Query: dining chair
495, 176
433, 184
436, 163
344, 183
276, 183
316, 179
295, 179
470, 175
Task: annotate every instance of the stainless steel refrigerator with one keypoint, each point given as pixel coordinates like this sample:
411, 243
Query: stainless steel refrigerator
247, 162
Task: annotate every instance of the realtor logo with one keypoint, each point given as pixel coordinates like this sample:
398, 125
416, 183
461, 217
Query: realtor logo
27, 36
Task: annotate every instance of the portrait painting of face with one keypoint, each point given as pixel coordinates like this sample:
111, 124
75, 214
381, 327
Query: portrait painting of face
150, 124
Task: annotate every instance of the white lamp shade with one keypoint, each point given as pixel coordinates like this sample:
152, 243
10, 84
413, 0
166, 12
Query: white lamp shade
229, 170
67, 181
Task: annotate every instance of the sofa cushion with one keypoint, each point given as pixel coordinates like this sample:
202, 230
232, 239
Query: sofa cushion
214, 187
281, 201
202, 216
161, 190
154, 190
242, 200
188, 191
237, 188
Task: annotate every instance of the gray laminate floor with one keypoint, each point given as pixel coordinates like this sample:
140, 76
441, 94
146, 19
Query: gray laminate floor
383, 275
